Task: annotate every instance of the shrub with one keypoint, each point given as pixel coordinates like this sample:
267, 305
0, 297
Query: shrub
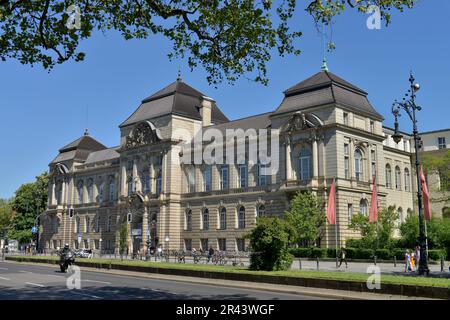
383, 254
300, 252
319, 253
270, 240
437, 254
331, 252
363, 254
399, 253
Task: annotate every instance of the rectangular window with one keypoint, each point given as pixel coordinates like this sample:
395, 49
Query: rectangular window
350, 213
222, 244
442, 143
405, 145
240, 244
346, 149
207, 179
242, 176
112, 191
146, 183
205, 244
158, 185
347, 167
346, 118
374, 164
101, 192
224, 177
372, 126
188, 244
262, 177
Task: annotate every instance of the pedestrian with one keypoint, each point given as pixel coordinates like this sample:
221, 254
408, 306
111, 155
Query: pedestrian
407, 261
417, 257
210, 254
343, 258
159, 251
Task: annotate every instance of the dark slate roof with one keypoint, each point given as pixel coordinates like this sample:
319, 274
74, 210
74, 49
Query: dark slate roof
326, 88
260, 121
103, 155
79, 150
178, 98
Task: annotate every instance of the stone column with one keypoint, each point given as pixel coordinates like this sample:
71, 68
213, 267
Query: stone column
350, 159
53, 199
123, 180
288, 161
315, 159
144, 231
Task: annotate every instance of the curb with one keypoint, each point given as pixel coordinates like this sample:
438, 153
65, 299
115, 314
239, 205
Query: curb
346, 285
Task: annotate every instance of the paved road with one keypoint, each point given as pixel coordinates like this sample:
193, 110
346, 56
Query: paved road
29, 282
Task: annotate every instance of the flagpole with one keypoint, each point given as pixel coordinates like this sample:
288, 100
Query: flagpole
336, 222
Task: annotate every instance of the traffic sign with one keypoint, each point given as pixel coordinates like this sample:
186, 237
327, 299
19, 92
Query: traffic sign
34, 230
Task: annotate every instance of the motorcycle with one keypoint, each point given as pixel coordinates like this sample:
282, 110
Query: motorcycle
66, 260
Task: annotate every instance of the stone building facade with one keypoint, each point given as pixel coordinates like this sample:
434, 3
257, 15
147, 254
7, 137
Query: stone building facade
325, 128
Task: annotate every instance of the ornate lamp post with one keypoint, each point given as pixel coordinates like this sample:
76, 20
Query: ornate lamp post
410, 107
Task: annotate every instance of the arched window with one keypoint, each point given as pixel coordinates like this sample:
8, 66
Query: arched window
101, 192
87, 223
80, 192
401, 217
205, 219
158, 183
398, 178
91, 191
261, 211
363, 207
304, 172
145, 182
130, 186
109, 224
388, 176
189, 220
223, 219
241, 218
78, 224
112, 190
407, 180
97, 224
359, 165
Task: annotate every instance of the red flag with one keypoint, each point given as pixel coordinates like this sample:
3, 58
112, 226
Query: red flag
373, 217
331, 210
426, 196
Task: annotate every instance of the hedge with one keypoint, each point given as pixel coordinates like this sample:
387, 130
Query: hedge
361, 253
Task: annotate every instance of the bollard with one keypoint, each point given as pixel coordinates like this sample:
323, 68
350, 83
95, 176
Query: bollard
442, 264
395, 261
317, 263
300, 263
375, 260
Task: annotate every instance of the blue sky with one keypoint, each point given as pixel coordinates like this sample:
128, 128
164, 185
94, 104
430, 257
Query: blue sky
41, 111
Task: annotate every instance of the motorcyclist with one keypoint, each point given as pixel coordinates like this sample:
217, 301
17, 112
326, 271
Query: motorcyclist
65, 257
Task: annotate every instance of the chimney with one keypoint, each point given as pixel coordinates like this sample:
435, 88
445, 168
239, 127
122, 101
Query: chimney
206, 110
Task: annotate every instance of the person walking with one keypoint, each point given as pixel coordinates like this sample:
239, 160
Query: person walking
210, 254
343, 258
407, 261
417, 257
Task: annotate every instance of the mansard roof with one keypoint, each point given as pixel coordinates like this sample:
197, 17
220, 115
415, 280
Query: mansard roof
79, 150
260, 121
103, 155
178, 98
327, 88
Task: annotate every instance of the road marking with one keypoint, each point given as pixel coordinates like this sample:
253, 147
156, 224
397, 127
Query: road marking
21, 271
5, 279
85, 294
94, 281
35, 284
3, 268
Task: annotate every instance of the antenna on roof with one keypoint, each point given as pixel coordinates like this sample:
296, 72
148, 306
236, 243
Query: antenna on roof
86, 131
179, 74
324, 65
